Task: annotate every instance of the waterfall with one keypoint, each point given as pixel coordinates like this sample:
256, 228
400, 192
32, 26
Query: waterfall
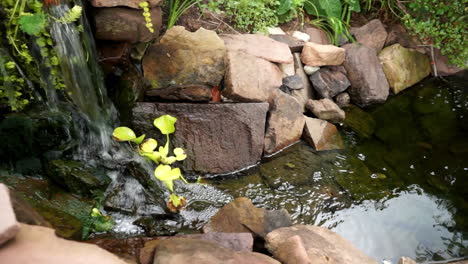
97, 117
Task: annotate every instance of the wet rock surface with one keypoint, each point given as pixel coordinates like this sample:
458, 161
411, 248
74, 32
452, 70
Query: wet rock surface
321, 135
403, 67
326, 109
218, 138
368, 82
185, 58
192, 93
285, 123
125, 24
242, 216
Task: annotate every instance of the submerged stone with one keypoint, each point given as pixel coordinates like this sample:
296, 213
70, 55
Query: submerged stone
77, 177
403, 67
359, 121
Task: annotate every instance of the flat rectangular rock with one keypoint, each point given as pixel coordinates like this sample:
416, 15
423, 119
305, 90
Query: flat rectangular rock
218, 138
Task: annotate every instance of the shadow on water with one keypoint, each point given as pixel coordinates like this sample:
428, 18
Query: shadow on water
399, 189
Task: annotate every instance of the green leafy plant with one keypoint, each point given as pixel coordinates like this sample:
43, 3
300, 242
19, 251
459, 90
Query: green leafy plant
441, 23
96, 222
23, 29
176, 8
147, 148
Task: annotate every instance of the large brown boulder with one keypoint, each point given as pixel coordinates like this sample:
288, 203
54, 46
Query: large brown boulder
240, 216
185, 250
313, 244
127, 3
403, 67
249, 78
326, 109
192, 93
39, 245
185, 58
368, 82
259, 46
125, 24
285, 122
321, 135
314, 54
9, 227
372, 34
218, 138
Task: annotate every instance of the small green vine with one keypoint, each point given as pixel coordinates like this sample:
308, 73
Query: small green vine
147, 15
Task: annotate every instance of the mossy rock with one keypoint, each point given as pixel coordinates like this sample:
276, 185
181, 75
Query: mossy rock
76, 177
359, 121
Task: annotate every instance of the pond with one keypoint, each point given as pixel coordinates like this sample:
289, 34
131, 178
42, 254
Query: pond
399, 189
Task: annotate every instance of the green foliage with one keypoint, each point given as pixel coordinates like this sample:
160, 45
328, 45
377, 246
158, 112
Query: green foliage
147, 15
442, 23
252, 16
147, 148
33, 24
23, 29
176, 8
97, 222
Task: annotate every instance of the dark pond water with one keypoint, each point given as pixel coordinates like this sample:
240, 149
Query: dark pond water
399, 189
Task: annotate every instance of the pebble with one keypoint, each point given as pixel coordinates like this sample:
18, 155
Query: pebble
309, 70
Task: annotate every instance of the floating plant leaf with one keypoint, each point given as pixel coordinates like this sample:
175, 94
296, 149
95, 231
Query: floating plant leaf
33, 24
165, 124
168, 160
139, 139
180, 154
149, 145
166, 173
154, 156
123, 134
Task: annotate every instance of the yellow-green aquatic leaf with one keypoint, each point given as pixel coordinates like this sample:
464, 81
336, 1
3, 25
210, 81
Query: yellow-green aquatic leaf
149, 145
139, 139
165, 124
154, 156
180, 154
95, 212
169, 185
168, 160
166, 173
175, 199
164, 150
123, 134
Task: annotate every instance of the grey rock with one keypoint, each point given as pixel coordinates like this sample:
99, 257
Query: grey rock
308, 92
125, 24
326, 109
372, 34
293, 82
329, 83
343, 99
285, 122
368, 82
319, 244
218, 138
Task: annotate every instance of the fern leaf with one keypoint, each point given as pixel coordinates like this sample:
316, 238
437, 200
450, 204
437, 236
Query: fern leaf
33, 24
71, 16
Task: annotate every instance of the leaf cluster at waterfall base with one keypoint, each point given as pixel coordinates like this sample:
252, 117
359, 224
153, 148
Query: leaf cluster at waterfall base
28, 59
147, 148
